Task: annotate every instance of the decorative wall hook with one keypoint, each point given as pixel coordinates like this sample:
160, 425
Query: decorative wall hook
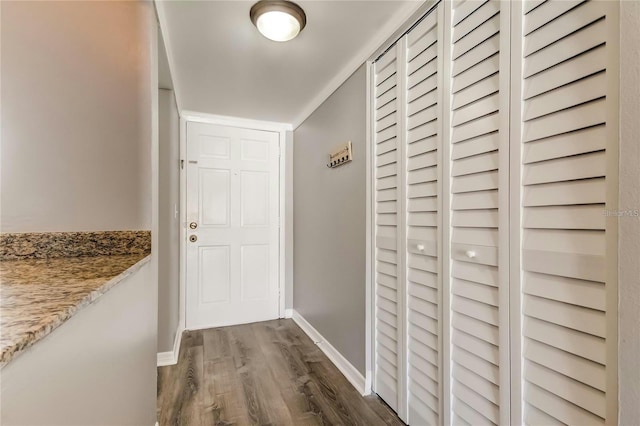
340, 156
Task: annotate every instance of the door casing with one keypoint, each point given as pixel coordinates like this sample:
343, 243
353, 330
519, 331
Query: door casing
281, 129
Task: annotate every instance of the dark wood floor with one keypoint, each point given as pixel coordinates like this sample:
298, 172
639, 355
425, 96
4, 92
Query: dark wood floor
267, 373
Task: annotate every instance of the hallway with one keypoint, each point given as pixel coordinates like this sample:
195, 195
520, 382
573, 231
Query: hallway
262, 373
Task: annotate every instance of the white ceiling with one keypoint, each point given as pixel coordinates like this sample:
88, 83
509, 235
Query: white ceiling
222, 65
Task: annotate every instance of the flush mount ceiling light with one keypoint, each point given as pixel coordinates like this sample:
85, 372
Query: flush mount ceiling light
278, 20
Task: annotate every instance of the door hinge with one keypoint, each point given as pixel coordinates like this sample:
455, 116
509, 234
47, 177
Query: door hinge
181, 164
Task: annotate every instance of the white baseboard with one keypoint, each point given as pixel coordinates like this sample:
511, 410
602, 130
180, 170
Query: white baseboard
288, 313
171, 358
346, 368
166, 358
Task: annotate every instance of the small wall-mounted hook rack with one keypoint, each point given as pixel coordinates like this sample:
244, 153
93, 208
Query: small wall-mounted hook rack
340, 156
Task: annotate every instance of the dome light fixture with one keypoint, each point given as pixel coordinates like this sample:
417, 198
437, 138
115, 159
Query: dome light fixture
278, 20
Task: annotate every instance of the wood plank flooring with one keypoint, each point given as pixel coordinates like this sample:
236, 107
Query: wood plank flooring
267, 373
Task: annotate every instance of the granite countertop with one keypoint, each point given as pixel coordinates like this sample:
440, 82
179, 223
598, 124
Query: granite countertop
39, 295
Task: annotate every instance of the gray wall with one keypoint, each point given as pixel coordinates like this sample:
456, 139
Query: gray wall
329, 221
629, 227
75, 116
98, 368
169, 220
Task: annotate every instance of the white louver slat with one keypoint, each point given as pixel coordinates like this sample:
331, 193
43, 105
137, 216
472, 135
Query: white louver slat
423, 152
388, 200
568, 149
479, 174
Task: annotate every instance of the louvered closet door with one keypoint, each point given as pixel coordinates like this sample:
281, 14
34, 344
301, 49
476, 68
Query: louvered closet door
569, 180
423, 143
388, 194
479, 174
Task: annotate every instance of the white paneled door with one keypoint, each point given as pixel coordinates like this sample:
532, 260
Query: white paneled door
232, 225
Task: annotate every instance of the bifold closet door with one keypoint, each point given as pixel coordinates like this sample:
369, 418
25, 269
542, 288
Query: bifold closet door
423, 73
478, 135
496, 169
408, 128
567, 84
389, 232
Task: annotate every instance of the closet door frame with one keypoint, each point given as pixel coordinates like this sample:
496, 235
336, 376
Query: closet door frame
444, 217
506, 250
515, 211
445, 232
403, 412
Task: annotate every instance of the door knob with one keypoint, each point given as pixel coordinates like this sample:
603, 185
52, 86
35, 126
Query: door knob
471, 254
193, 238
420, 247
193, 225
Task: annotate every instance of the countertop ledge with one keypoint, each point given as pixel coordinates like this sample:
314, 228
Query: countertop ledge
39, 295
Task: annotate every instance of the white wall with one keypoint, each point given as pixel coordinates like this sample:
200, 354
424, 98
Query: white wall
98, 368
169, 220
75, 116
629, 227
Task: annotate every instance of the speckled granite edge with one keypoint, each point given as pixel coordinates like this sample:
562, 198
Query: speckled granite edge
29, 339
49, 245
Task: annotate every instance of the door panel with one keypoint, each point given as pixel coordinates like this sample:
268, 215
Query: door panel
388, 196
254, 267
215, 271
423, 160
232, 199
215, 193
254, 150
479, 170
568, 121
214, 147
254, 194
